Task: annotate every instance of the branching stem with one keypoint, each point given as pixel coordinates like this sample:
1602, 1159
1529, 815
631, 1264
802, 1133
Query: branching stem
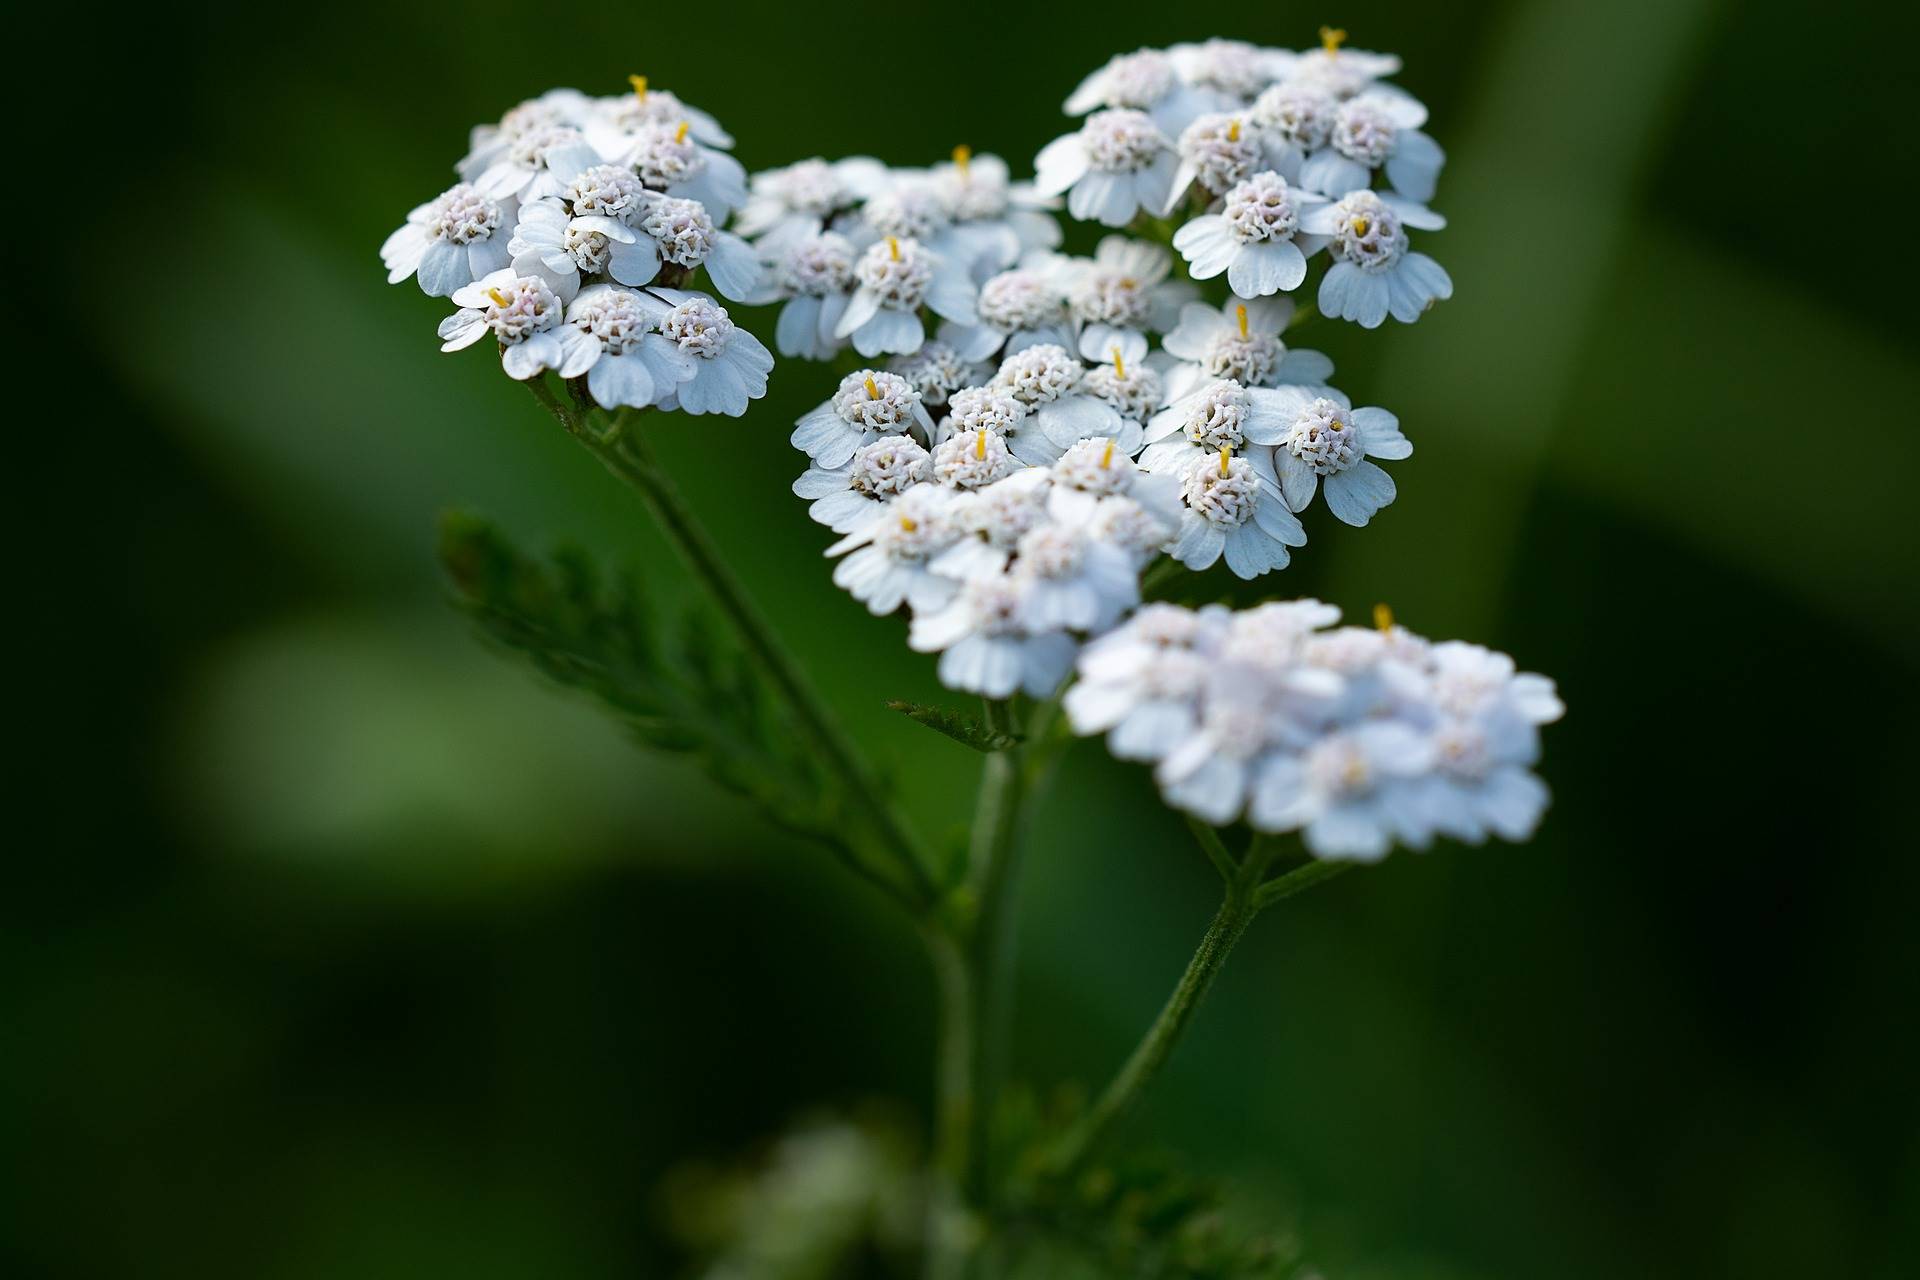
625, 454
1246, 895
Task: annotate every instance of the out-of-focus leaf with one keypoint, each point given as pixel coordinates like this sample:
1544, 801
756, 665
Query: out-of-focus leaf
962, 728
692, 693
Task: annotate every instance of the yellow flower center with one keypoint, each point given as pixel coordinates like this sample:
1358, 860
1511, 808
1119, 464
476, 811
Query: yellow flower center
1331, 38
680, 134
1240, 313
1361, 226
1119, 365
980, 445
1106, 459
1233, 131
1383, 619
873, 390
639, 84
1225, 452
962, 158
499, 299
893, 247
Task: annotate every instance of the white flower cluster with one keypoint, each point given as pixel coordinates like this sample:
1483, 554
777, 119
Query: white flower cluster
1022, 432
1036, 428
856, 250
569, 237
1275, 154
1006, 562
1359, 738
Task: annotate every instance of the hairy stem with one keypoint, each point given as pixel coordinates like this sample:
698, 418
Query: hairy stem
951, 1229
1245, 896
1299, 880
625, 454
1236, 912
993, 872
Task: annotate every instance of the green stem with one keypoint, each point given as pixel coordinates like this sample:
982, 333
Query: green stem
1299, 880
625, 454
993, 873
1236, 912
950, 1227
1216, 850
1246, 897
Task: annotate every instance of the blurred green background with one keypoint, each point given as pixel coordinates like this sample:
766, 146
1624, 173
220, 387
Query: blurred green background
339, 946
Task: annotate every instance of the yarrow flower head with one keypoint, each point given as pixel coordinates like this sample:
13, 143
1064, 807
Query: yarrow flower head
798, 200
868, 403
1374, 273
525, 315
1117, 164
1253, 715
856, 492
1375, 131
892, 280
1046, 382
450, 241
1216, 151
1240, 340
730, 364
1252, 240
1329, 444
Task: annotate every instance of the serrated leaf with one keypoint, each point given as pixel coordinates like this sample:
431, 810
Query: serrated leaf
962, 728
676, 685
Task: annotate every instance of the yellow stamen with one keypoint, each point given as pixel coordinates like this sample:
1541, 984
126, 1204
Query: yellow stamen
1119, 364
893, 248
1224, 451
680, 134
1240, 312
1383, 618
962, 158
873, 391
909, 524
1331, 38
1360, 226
499, 299
639, 84
980, 445
1233, 131
1106, 458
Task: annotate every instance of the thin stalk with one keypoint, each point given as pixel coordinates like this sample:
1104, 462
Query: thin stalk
950, 1227
995, 859
625, 455
1236, 912
1245, 896
1216, 850
1299, 880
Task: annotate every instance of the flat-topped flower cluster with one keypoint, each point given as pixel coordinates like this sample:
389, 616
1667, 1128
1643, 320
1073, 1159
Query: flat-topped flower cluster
1019, 433
1036, 428
575, 226
1356, 737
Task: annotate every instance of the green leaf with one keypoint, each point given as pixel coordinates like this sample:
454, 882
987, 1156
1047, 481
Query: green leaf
1135, 1214
962, 728
678, 686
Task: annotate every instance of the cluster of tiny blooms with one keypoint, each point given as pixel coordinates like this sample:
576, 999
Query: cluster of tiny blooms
570, 239
1025, 431
1022, 432
1358, 738
1270, 158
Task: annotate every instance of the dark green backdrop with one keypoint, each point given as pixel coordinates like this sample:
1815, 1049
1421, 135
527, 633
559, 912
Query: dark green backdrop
338, 947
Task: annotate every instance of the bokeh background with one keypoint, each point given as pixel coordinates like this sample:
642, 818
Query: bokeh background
337, 945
